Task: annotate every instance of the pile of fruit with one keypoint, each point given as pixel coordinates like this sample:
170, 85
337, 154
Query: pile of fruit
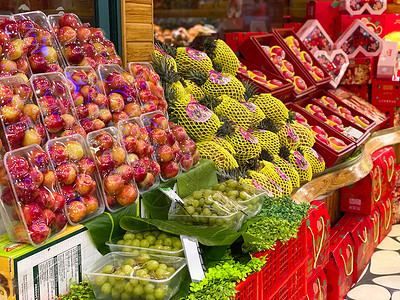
259, 77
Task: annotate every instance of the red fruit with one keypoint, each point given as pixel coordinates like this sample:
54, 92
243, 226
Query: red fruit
105, 115
44, 200
49, 104
116, 102
10, 113
93, 110
22, 65
91, 204
141, 147
130, 143
69, 193
126, 172
110, 200
179, 133
60, 221
54, 68
128, 195
133, 110
188, 146
36, 176
42, 86
59, 88
141, 84
158, 137
38, 63
100, 60
159, 121
140, 174
164, 154
7, 196
26, 191
54, 123
145, 96
66, 174
97, 35
6, 94
48, 217
177, 153
4, 37
83, 34
15, 134
31, 212
10, 27
76, 211
68, 20
89, 50
101, 100
50, 179
85, 184
136, 70
170, 139
58, 154
148, 182
169, 170
105, 163
154, 168
82, 112
39, 232
115, 81
86, 166
144, 134
74, 53
18, 167
103, 141
113, 184
118, 116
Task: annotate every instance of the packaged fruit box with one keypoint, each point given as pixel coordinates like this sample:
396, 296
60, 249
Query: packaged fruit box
78, 177
53, 96
140, 154
208, 208
42, 49
147, 82
246, 195
81, 44
91, 103
32, 207
21, 121
117, 176
167, 151
149, 242
13, 57
121, 275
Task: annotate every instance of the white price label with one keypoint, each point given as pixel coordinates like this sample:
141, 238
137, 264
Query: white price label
355, 133
172, 195
193, 258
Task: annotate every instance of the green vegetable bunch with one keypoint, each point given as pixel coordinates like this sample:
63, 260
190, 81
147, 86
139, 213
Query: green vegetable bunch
78, 291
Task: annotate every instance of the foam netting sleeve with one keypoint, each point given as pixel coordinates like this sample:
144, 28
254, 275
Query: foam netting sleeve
305, 174
179, 89
291, 141
158, 53
288, 169
273, 172
272, 107
212, 151
191, 59
256, 113
268, 140
314, 158
246, 147
234, 111
306, 138
232, 88
224, 144
194, 90
226, 58
266, 182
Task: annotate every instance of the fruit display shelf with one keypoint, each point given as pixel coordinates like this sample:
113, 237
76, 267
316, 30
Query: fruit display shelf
255, 50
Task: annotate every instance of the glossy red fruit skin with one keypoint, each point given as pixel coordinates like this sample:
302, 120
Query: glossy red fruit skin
39, 159
76, 211
58, 154
86, 166
103, 141
38, 63
140, 174
154, 168
127, 195
126, 172
91, 204
85, 185
186, 161
48, 217
113, 184
68, 20
31, 212
39, 232
169, 170
18, 167
106, 164
7, 196
60, 221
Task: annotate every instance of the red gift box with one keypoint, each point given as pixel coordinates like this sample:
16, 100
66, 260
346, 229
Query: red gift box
388, 61
385, 93
361, 90
318, 233
359, 71
385, 210
327, 13
341, 224
317, 288
386, 158
339, 270
361, 230
392, 113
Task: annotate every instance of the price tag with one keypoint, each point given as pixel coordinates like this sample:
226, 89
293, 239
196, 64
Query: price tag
355, 133
193, 257
172, 195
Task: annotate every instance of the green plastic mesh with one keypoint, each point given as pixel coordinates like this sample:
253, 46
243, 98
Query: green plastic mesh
158, 53
218, 84
316, 161
245, 145
301, 165
288, 169
234, 111
277, 175
288, 137
191, 59
268, 140
224, 144
272, 107
200, 122
194, 90
306, 138
222, 158
225, 57
256, 113
266, 182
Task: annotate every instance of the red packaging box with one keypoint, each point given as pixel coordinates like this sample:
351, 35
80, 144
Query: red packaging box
341, 224
385, 210
327, 13
318, 233
388, 62
317, 288
359, 71
393, 115
362, 232
385, 93
386, 158
234, 39
339, 271
361, 90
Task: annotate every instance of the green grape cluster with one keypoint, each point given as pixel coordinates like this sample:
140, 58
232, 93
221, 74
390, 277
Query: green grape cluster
149, 239
210, 207
130, 280
242, 193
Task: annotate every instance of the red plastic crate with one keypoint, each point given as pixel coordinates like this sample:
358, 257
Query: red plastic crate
249, 289
234, 39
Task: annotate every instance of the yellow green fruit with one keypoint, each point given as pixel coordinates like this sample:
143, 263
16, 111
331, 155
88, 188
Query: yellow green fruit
212, 151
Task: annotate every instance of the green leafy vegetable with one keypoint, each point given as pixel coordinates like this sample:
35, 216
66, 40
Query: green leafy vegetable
78, 291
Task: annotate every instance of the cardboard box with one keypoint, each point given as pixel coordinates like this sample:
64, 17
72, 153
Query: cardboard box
374, 7
388, 62
385, 209
31, 273
385, 93
341, 224
318, 235
359, 71
327, 13
317, 288
392, 113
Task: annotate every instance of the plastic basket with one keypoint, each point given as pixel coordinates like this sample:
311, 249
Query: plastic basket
249, 288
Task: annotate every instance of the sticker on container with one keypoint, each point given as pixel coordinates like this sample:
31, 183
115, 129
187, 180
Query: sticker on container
162, 52
291, 133
196, 54
197, 112
248, 136
301, 162
281, 174
317, 155
355, 133
219, 78
250, 106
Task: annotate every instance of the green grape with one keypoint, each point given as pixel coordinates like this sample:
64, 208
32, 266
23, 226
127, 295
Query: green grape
139, 236
217, 197
149, 288
108, 269
144, 244
162, 236
145, 234
126, 249
135, 243
144, 282
166, 248
121, 242
127, 269
196, 203
127, 242
150, 297
101, 279
134, 282
106, 288
160, 273
206, 211
141, 273
119, 273
115, 294
158, 247
163, 267
208, 201
168, 242
232, 184
125, 296
201, 202
151, 239
156, 233
112, 280
159, 293
129, 287
197, 194
129, 236
159, 242
143, 258
244, 195
138, 290
171, 270
130, 261
219, 222
120, 286
152, 265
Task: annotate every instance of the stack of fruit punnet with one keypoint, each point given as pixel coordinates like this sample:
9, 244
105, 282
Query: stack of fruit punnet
78, 177
121, 275
149, 242
54, 99
259, 77
20, 118
13, 57
43, 52
116, 173
32, 207
81, 44
91, 103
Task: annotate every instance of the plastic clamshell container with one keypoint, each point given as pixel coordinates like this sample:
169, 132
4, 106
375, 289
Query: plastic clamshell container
346, 123
281, 34
254, 204
114, 247
63, 105
11, 139
146, 120
116, 141
98, 193
22, 228
154, 87
94, 98
330, 155
171, 284
251, 49
28, 72
136, 121
40, 19
284, 92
